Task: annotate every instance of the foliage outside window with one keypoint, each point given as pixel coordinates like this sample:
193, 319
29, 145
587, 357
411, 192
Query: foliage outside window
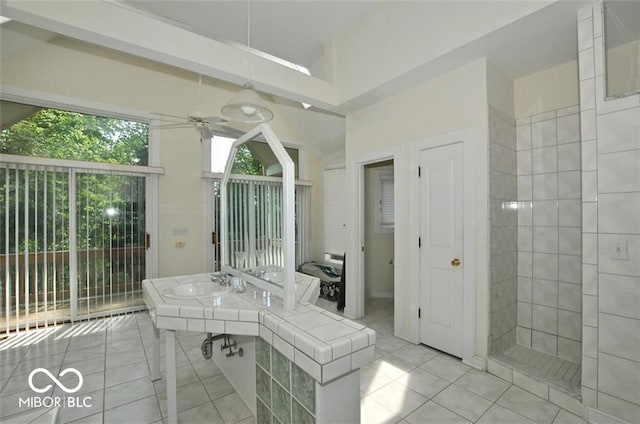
59, 134
252, 158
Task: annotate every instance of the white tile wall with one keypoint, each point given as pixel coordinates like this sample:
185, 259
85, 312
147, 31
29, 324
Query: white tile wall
619, 131
549, 172
503, 162
619, 377
619, 336
618, 213
619, 172
620, 295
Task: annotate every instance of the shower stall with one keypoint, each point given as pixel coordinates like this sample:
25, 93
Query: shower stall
535, 214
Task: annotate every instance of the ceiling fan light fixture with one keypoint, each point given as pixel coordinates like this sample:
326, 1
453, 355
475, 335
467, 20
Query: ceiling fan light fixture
247, 106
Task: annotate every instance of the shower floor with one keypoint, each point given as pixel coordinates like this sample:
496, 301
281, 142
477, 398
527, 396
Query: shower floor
559, 372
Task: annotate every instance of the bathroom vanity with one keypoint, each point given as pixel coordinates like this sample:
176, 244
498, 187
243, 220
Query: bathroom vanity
299, 365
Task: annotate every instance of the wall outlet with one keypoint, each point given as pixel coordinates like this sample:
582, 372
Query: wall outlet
618, 250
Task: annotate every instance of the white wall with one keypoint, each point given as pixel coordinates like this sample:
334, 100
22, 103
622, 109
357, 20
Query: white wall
551, 89
451, 102
400, 36
83, 71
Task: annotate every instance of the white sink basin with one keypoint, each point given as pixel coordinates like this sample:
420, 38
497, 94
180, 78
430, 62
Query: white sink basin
195, 291
274, 277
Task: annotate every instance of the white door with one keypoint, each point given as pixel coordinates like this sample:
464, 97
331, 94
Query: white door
441, 247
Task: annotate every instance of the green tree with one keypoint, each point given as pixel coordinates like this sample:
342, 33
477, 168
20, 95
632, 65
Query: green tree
59, 134
52, 133
246, 163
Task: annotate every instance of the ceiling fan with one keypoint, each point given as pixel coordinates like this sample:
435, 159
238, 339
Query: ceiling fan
203, 123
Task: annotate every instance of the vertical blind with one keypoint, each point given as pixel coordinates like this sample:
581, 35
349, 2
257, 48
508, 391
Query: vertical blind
334, 211
386, 199
65, 225
255, 219
34, 245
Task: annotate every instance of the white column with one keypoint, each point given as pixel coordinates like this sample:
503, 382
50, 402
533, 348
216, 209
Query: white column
172, 401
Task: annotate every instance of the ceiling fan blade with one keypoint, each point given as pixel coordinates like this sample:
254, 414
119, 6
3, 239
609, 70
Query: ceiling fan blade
215, 120
171, 126
168, 115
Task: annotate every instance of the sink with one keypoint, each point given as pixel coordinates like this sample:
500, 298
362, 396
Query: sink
195, 291
274, 276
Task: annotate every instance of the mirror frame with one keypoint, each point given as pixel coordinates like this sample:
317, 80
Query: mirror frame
287, 291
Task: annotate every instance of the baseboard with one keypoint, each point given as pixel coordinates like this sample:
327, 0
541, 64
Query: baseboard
475, 362
596, 416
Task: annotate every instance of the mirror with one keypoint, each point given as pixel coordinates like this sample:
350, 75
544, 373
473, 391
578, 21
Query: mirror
622, 47
257, 222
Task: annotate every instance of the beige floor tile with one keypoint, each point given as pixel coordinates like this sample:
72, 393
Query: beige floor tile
499, 415
398, 399
463, 402
483, 384
431, 412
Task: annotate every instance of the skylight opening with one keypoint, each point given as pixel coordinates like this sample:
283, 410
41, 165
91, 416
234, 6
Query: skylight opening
302, 69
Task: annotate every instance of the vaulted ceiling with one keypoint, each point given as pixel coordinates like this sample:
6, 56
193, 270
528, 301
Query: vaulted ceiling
358, 51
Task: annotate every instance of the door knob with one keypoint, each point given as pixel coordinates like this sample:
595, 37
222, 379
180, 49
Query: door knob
455, 262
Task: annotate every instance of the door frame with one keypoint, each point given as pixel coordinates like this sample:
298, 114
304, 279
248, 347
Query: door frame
355, 268
469, 318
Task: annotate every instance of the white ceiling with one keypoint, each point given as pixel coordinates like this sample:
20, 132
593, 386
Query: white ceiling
297, 30
292, 30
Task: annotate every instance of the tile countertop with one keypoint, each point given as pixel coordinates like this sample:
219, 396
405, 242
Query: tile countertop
323, 344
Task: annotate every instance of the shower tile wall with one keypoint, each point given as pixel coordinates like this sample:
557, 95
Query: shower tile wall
611, 200
549, 194
503, 235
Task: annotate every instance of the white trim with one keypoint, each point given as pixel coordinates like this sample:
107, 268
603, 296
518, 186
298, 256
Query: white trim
72, 104
57, 101
152, 195
80, 164
469, 243
219, 176
288, 205
355, 294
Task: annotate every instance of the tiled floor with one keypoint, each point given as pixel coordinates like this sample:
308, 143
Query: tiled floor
406, 383
414, 384
113, 355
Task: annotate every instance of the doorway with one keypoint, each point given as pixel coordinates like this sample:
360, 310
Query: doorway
379, 237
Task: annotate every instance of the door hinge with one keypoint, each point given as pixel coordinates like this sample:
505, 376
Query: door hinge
419, 313
213, 237
419, 171
419, 242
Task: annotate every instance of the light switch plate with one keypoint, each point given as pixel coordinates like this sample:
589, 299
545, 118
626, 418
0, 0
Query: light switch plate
618, 250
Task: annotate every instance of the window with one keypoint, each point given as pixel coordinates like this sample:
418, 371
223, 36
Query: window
59, 134
334, 211
252, 158
383, 200
72, 238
